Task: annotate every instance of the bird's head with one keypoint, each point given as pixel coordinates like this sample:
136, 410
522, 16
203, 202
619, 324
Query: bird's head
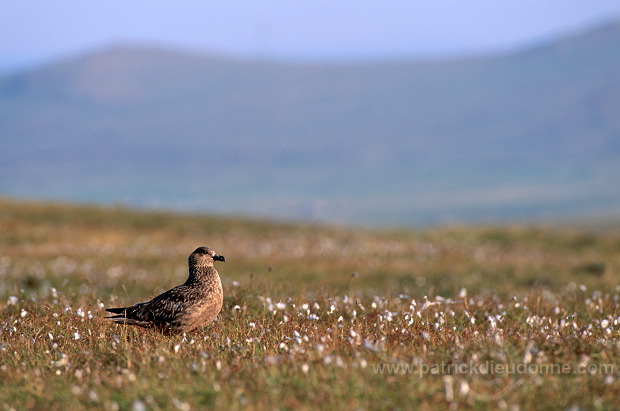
204, 256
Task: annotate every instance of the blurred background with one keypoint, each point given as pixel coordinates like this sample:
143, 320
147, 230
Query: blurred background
400, 113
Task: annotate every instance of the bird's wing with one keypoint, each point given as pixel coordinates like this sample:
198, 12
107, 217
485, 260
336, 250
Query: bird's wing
162, 309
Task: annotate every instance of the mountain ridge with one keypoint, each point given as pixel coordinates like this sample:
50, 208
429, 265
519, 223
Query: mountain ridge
514, 135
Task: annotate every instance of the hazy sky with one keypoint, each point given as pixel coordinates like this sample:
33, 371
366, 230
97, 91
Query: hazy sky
33, 31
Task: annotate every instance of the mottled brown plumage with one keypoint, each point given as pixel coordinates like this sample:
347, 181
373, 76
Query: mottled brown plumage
186, 307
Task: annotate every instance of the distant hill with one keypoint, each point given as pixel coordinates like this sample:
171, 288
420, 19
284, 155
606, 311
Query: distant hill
528, 134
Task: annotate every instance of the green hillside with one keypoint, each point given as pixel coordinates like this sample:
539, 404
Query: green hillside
528, 135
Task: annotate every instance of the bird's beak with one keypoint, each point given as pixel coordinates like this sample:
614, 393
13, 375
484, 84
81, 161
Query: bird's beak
221, 258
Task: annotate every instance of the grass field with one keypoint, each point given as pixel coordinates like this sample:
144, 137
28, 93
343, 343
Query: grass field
314, 317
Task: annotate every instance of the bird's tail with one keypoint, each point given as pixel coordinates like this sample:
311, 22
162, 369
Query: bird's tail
121, 311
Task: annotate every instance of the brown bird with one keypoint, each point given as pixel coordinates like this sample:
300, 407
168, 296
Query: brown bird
186, 307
